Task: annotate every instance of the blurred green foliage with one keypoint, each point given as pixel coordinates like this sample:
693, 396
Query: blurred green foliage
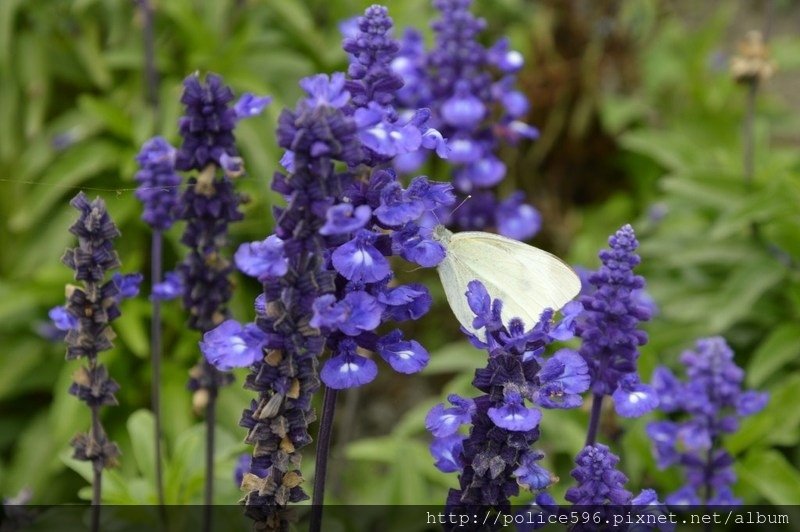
73, 115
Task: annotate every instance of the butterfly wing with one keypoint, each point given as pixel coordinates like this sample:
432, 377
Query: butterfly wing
527, 279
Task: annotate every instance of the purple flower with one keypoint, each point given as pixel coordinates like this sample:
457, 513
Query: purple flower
231, 345
127, 285
531, 475
343, 219
405, 302
262, 260
398, 207
158, 183
170, 288
62, 319
324, 91
442, 422
348, 369
463, 110
497, 456
360, 260
416, 244
632, 398
405, 356
609, 327
447, 453
516, 219
207, 127
250, 105
598, 480
704, 407
564, 377
513, 415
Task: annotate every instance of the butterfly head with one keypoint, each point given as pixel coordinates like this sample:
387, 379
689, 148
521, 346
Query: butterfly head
442, 234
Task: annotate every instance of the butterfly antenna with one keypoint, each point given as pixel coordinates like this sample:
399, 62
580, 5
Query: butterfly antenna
469, 197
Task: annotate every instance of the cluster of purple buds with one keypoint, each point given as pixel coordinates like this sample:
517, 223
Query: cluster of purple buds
710, 403
497, 457
158, 183
470, 92
601, 499
87, 316
613, 308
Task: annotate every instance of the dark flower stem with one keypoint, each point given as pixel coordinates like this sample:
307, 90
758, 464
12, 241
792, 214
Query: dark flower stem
155, 351
594, 420
211, 423
97, 467
323, 448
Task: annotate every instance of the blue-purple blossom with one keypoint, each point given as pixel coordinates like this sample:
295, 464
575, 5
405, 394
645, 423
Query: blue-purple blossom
232, 345
127, 284
359, 260
705, 407
474, 108
348, 369
497, 457
207, 127
405, 356
262, 260
170, 288
62, 319
158, 183
442, 422
343, 219
609, 327
446, 452
250, 105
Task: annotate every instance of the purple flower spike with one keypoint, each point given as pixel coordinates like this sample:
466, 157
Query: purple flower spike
348, 369
447, 453
343, 219
231, 345
709, 404
262, 260
359, 260
404, 356
63, 320
513, 415
599, 481
158, 183
250, 105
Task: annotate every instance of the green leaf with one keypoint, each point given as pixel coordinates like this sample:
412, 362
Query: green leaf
111, 115
773, 422
141, 429
781, 347
772, 475
74, 167
454, 358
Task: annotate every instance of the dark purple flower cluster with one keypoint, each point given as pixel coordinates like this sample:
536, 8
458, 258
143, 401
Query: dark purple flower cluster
327, 281
467, 87
90, 309
158, 183
600, 492
497, 456
711, 402
373, 86
609, 330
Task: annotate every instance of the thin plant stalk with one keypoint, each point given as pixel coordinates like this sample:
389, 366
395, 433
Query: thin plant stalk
97, 467
155, 351
211, 422
321, 466
594, 419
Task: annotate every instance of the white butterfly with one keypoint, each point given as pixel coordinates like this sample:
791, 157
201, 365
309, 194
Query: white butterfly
527, 279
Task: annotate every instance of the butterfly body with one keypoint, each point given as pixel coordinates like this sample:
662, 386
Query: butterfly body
527, 279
